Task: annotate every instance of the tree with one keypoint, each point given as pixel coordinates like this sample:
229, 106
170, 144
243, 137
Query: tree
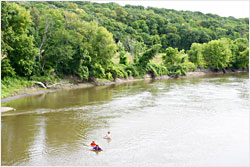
134, 47
17, 45
242, 44
195, 54
171, 56
243, 59
173, 39
79, 38
177, 62
149, 55
121, 14
217, 54
100, 45
61, 50
122, 56
241, 54
6, 69
51, 20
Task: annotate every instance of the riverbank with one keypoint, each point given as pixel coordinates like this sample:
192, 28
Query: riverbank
37, 90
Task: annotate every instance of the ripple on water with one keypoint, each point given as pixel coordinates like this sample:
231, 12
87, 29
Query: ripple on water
191, 122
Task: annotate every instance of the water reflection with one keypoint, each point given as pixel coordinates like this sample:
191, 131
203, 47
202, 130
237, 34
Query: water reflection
61, 99
17, 136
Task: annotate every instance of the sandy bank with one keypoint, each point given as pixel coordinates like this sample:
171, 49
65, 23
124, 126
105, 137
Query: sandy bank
5, 109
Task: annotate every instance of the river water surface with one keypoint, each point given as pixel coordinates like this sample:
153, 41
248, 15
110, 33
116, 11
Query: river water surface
199, 121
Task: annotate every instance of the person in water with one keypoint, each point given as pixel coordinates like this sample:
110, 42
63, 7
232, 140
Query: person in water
107, 136
97, 148
93, 144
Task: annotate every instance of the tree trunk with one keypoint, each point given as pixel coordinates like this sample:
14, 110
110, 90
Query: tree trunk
224, 71
43, 40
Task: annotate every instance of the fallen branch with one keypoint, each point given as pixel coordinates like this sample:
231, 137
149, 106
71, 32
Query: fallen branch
49, 86
40, 83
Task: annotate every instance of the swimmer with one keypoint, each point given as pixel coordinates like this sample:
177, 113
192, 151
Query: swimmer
97, 148
93, 144
107, 136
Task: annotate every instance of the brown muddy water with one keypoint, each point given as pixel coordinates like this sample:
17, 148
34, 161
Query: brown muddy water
198, 121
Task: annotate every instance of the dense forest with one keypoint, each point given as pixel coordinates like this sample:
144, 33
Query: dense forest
50, 40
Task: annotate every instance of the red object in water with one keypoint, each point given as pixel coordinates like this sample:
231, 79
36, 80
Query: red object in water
93, 144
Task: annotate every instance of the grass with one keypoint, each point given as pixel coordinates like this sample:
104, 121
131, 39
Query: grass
157, 59
13, 86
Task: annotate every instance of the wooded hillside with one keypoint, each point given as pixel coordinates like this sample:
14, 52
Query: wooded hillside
46, 39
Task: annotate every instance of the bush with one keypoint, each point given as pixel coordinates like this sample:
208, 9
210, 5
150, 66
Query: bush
133, 70
123, 58
116, 71
109, 76
129, 73
6, 69
177, 62
189, 66
98, 71
83, 72
157, 70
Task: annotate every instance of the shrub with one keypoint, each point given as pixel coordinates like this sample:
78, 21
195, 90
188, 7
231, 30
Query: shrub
189, 66
83, 72
133, 69
157, 70
109, 76
6, 69
98, 71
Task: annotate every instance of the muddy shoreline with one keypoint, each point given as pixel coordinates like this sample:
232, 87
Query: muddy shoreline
37, 91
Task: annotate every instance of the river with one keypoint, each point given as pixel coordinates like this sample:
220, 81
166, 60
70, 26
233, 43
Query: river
196, 121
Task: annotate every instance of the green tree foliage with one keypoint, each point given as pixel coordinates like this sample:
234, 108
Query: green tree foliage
179, 28
243, 59
177, 62
242, 53
121, 14
122, 56
6, 69
195, 55
23, 56
134, 47
17, 45
101, 47
217, 53
80, 39
71, 46
149, 55
242, 44
220, 54
157, 70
